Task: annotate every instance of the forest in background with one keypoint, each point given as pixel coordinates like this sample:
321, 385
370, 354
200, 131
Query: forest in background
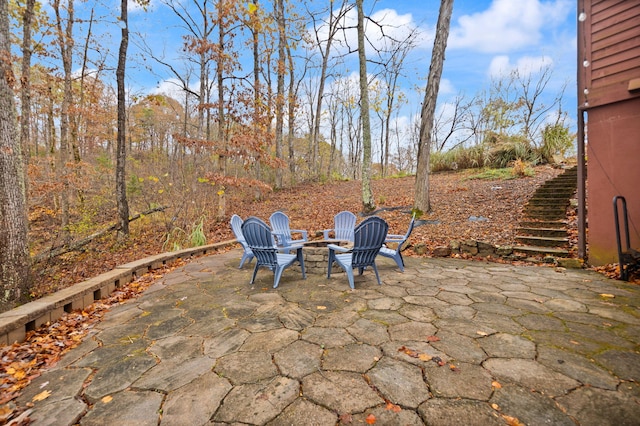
241, 131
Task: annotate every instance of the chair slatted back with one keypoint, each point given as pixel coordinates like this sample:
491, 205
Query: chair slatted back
344, 225
259, 238
236, 227
280, 224
369, 236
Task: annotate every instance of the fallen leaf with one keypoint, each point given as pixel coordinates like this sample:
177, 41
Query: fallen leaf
346, 418
408, 351
512, 421
42, 396
482, 333
574, 342
453, 367
433, 339
496, 385
424, 357
320, 307
393, 407
107, 399
607, 295
371, 419
495, 406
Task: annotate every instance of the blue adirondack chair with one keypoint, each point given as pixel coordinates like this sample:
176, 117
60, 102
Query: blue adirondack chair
344, 223
396, 254
280, 228
260, 240
236, 224
368, 238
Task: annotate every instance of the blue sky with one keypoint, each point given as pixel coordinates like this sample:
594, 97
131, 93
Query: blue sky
488, 38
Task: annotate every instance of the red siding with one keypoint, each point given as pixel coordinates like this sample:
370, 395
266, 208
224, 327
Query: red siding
609, 39
610, 42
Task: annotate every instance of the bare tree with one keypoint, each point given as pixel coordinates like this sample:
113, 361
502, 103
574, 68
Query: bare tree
368, 204
281, 69
429, 105
65, 44
25, 84
121, 144
451, 126
335, 15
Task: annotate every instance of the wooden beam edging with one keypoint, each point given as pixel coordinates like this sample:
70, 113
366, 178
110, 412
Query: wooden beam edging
15, 324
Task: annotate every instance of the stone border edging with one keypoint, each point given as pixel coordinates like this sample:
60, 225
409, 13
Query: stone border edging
15, 324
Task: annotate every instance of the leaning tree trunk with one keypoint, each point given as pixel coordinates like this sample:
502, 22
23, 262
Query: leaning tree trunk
121, 145
422, 202
14, 252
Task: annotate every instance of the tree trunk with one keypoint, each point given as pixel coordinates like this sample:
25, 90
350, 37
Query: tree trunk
368, 205
14, 252
280, 86
422, 202
292, 116
65, 40
222, 133
121, 144
25, 89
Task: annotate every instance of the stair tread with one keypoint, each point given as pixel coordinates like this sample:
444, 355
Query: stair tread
533, 237
536, 249
528, 228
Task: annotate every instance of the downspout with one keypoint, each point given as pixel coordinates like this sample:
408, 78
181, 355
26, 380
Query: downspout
582, 110
582, 187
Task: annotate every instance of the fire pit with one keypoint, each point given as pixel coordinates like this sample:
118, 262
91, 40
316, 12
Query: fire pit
316, 255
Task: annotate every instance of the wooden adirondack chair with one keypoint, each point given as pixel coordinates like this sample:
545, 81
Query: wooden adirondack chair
236, 225
280, 228
396, 254
368, 238
260, 239
344, 224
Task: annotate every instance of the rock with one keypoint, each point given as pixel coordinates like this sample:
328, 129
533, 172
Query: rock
570, 263
442, 251
469, 247
485, 249
420, 249
455, 246
504, 250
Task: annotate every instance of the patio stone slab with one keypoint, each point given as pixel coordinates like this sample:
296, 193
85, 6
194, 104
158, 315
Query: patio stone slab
455, 412
399, 382
342, 392
531, 374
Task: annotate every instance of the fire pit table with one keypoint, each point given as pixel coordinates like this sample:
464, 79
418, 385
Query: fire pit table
316, 254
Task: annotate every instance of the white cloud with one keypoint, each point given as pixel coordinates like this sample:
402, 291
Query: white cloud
501, 65
387, 23
173, 88
507, 25
446, 87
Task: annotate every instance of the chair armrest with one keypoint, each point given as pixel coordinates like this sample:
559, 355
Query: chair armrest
280, 238
395, 236
326, 232
341, 249
300, 231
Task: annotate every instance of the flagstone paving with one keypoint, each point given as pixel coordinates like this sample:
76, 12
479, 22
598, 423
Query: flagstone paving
447, 342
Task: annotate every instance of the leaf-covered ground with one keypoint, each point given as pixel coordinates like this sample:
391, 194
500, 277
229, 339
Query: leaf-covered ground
455, 198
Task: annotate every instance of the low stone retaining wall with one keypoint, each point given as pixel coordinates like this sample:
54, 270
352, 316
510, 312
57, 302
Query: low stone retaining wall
15, 324
488, 250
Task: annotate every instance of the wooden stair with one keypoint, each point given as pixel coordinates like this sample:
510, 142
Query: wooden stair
544, 229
